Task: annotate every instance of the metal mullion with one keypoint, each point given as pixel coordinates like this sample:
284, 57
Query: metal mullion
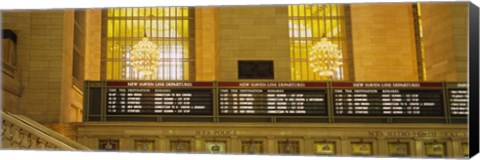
339, 31
303, 37
140, 38
175, 48
114, 55
145, 28
180, 60
291, 42
314, 17
112, 71
340, 34
306, 38
143, 18
157, 41
182, 33
119, 49
127, 44
185, 40
150, 18
144, 33
135, 74
130, 41
300, 43
312, 37
319, 34
331, 23
163, 44
138, 35
169, 43
325, 23
189, 39
151, 34
191, 46
331, 34
169, 46
131, 45
316, 76
124, 63
296, 44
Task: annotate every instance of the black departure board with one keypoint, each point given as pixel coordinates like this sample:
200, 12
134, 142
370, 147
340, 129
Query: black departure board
261, 101
458, 99
159, 98
388, 99
272, 98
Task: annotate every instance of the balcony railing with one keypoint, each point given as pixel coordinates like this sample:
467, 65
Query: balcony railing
19, 132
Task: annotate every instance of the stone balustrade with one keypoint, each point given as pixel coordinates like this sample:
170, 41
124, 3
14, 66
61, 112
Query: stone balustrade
18, 134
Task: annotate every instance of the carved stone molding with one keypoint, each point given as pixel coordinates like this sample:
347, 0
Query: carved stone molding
18, 135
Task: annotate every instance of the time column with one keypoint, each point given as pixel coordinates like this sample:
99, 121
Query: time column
116, 100
343, 101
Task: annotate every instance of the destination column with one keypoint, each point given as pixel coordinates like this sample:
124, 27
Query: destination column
272, 98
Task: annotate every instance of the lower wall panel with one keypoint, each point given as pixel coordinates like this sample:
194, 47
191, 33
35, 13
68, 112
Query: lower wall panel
410, 140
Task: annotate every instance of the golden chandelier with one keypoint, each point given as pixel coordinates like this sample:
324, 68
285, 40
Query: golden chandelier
325, 57
145, 57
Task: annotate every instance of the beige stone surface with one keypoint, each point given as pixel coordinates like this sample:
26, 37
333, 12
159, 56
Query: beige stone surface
383, 42
93, 44
445, 40
206, 44
253, 33
39, 51
45, 46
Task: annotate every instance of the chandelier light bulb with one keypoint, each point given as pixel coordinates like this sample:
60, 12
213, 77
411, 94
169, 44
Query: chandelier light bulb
325, 57
145, 57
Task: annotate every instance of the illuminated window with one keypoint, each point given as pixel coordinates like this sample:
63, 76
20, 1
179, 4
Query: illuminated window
307, 25
169, 28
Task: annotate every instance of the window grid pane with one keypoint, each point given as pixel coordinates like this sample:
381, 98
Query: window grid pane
166, 27
307, 25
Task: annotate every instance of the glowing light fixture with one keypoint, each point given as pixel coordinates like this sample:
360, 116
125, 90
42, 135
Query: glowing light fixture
145, 57
325, 57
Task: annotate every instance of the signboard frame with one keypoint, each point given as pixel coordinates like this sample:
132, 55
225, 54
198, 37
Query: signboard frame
95, 101
105, 85
264, 85
393, 118
455, 85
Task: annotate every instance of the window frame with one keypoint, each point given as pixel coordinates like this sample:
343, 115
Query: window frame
345, 36
188, 72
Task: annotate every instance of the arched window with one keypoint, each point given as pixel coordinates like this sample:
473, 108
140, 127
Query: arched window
168, 29
308, 24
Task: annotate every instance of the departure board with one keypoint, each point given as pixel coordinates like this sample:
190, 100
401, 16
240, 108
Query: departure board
172, 101
387, 99
272, 98
159, 98
457, 99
